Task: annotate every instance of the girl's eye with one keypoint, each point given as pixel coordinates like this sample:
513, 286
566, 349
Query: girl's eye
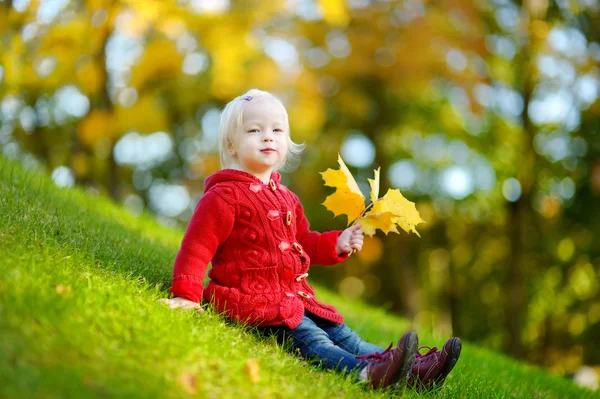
253, 131
278, 130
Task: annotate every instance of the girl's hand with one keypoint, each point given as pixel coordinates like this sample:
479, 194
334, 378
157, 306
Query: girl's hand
182, 303
349, 240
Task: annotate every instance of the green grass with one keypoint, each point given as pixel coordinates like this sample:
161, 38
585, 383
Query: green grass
79, 283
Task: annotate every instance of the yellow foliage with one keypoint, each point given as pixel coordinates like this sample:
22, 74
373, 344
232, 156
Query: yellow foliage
160, 61
502, 70
307, 117
264, 73
172, 27
94, 5
307, 111
268, 10
335, 12
386, 213
451, 118
67, 38
148, 10
146, 116
95, 126
11, 61
227, 41
135, 26
90, 77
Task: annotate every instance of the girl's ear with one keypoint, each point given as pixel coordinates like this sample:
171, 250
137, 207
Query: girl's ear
230, 148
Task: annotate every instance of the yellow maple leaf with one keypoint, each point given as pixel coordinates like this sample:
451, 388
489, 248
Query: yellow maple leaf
385, 213
407, 216
384, 221
350, 182
344, 202
374, 183
347, 199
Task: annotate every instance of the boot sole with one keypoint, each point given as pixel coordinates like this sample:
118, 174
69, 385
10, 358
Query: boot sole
409, 354
451, 360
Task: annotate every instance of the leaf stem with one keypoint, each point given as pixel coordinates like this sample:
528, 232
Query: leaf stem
362, 214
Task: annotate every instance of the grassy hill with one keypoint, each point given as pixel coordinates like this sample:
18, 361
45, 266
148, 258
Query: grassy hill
79, 283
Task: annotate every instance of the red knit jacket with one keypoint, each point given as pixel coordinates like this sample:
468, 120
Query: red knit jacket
261, 248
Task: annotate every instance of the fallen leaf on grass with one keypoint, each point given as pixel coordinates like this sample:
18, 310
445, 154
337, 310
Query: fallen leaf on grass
63, 290
189, 382
252, 369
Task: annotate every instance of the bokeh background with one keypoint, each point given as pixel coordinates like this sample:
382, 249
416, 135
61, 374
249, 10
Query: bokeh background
483, 112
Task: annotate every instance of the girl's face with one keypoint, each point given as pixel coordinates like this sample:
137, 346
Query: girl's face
262, 143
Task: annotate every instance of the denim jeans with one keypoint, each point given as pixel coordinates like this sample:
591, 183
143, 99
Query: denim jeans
333, 346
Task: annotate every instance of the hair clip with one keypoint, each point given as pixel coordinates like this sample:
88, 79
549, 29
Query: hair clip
247, 98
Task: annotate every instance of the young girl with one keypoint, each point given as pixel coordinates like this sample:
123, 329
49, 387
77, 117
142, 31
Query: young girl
254, 231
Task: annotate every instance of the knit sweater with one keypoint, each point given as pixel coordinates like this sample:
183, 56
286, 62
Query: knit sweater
261, 247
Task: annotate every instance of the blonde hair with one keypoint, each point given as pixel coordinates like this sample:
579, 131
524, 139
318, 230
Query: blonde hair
231, 124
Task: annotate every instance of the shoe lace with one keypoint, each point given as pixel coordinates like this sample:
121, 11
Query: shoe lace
376, 356
431, 351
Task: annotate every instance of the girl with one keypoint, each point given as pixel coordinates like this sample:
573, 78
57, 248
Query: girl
254, 231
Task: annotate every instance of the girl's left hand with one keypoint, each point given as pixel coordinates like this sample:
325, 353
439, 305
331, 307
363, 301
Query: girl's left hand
350, 239
182, 303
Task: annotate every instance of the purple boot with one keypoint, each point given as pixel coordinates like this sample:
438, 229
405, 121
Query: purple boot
392, 365
431, 369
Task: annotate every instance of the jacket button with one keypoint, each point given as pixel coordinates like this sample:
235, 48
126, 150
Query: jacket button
303, 295
288, 218
272, 185
298, 247
273, 214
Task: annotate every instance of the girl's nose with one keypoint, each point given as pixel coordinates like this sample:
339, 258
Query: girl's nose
267, 139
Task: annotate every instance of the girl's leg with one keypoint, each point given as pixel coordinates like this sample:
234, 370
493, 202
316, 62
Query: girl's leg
315, 344
344, 337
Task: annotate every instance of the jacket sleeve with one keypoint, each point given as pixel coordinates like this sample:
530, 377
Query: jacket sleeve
320, 247
209, 227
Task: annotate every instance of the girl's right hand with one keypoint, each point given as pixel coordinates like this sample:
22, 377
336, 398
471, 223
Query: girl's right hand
182, 303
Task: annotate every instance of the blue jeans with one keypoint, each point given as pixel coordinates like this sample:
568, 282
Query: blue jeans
333, 346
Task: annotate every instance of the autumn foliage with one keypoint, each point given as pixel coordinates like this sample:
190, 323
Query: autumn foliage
385, 213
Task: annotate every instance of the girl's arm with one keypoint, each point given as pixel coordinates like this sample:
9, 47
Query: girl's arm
320, 247
209, 227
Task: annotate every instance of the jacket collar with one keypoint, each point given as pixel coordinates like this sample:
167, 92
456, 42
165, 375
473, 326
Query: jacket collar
236, 175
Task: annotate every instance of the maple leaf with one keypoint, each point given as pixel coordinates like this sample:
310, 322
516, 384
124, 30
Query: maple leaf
385, 213
347, 199
384, 221
374, 183
407, 216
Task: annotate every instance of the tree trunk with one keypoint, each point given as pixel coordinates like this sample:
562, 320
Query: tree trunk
520, 212
102, 101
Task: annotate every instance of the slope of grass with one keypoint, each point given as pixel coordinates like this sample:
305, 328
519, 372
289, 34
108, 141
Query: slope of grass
79, 317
